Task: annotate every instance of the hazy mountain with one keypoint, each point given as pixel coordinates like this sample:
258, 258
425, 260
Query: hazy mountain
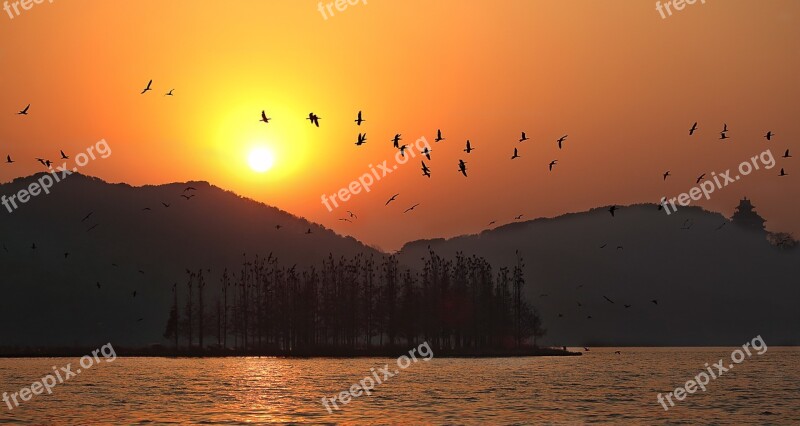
49, 299
713, 286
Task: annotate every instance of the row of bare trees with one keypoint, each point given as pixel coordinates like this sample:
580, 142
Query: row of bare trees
361, 303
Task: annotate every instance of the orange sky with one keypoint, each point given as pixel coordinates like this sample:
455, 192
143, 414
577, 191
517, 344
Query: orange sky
624, 83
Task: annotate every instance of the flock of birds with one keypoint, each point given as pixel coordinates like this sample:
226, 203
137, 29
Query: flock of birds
314, 119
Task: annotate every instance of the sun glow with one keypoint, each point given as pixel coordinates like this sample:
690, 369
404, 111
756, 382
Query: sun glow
261, 159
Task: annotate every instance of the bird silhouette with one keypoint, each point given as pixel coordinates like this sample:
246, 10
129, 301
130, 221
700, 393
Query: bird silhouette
609, 300
425, 170
617, 352
724, 127
396, 141
278, 227
720, 226
134, 294
394, 197
187, 197
9, 160
722, 135
98, 284
523, 138
516, 154
492, 223
146, 209
783, 173
585, 348
64, 156
92, 227
462, 167
620, 248
147, 89
694, 127
346, 220
561, 141
87, 216
33, 247
604, 245
165, 204
411, 208
362, 139
264, 117
25, 111
612, 209
769, 136
552, 163
666, 174
353, 215
518, 217
403, 150
786, 154
699, 178
170, 92
189, 188
469, 148
626, 306
439, 137
359, 120
427, 153
654, 301
66, 255
309, 231
313, 118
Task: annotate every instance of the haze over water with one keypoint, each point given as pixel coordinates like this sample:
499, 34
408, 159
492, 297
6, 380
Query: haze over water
596, 387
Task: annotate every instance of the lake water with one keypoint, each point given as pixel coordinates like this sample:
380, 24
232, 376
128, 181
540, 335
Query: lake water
597, 387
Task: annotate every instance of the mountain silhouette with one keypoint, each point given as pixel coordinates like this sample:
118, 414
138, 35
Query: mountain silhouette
713, 284
115, 248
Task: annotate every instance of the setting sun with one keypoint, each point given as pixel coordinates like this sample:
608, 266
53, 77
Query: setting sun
261, 159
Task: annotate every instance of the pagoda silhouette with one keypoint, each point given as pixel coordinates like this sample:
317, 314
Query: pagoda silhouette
746, 217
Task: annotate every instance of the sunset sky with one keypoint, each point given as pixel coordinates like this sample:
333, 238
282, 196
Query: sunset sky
622, 82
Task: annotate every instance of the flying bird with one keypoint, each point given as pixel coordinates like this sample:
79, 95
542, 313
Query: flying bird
353, 215
396, 140
98, 284
462, 167
523, 138
64, 156
278, 227
783, 173
492, 223
25, 111
187, 197
699, 178
516, 154
769, 135
427, 153
391, 199
362, 139
411, 208
309, 231
87, 216
666, 174
604, 245
786, 154
654, 301
609, 300
425, 170
93, 226
403, 150
694, 127
626, 306
439, 137
612, 209
720, 226
561, 140
264, 117
552, 163
190, 188
164, 204
170, 92
313, 118
9, 160
518, 217
134, 294
469, 147
359, 120
724, 127
722, 135
346, 220
146, 89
